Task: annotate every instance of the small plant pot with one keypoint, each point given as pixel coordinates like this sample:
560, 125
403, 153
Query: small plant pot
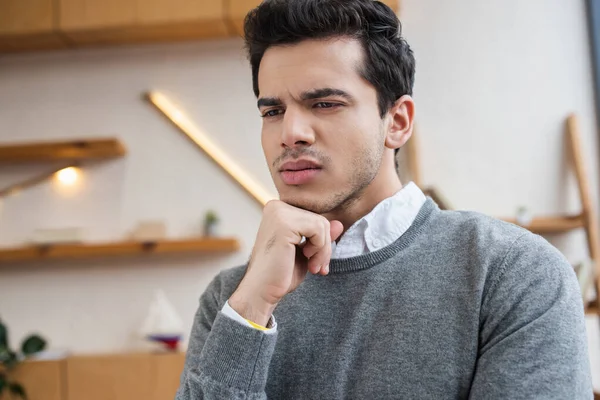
211, 230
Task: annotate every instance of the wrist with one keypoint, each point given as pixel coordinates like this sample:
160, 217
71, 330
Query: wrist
251, 307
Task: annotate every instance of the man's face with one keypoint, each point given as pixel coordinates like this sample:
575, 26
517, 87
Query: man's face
322, 132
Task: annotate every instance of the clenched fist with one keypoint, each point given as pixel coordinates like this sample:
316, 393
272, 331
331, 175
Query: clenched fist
280, 260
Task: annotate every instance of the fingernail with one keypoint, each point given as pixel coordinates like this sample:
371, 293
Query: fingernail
327, 269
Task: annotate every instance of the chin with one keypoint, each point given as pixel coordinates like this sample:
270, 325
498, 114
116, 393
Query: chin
308, 201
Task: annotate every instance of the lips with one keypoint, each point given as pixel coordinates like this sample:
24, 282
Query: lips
299, 172
300, 165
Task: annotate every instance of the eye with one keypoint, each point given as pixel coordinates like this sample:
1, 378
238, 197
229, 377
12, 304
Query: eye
324, 104
272, 113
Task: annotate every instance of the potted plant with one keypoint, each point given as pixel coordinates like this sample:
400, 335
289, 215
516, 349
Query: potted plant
9, 360
210, 223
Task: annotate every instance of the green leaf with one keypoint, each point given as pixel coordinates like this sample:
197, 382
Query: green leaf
2, 383
3, 335
12, 360
4, 354
33, 344
17, 390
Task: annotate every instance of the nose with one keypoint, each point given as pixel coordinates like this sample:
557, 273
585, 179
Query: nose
296, 130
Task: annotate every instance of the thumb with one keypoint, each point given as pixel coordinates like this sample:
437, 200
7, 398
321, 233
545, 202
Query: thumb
335, 229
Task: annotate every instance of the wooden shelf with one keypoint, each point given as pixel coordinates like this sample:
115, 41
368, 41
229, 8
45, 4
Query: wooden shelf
127, 248
236, 10
68, 151
549, 225
591, 310
27, 25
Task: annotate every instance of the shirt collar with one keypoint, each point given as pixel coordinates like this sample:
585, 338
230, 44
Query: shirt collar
389, 220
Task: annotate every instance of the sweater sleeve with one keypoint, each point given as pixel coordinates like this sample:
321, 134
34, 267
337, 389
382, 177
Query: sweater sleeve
533, 343
225, 359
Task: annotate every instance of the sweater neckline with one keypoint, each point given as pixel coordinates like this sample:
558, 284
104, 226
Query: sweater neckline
366, 261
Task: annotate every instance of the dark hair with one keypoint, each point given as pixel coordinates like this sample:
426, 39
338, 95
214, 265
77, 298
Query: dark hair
389, 62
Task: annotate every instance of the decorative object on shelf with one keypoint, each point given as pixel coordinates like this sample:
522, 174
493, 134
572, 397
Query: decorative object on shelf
163, 325
524, 217
9, 360
149, 231
185, 125
211, 223
57, 236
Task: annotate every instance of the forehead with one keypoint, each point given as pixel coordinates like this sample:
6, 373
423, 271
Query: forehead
311, 64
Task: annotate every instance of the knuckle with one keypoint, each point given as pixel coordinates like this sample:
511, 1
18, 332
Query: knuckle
271, 206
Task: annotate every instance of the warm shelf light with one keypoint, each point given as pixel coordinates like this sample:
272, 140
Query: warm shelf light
68, 176
177, 117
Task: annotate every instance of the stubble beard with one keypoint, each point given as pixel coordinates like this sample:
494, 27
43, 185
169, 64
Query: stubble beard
366, 167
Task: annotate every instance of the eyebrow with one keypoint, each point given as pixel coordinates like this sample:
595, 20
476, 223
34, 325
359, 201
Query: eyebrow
325, 92
269, 102
308, 95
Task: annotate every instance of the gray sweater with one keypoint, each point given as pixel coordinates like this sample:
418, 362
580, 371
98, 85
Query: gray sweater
461, 306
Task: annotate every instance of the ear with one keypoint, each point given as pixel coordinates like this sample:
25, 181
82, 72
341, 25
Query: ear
400, 123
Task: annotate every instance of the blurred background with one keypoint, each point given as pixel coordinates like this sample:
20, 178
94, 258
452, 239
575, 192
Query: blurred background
97, 258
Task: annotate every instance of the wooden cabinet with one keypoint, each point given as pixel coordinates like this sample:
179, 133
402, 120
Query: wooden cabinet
43, 380
27, 24
106, 377
87, 22
124, 377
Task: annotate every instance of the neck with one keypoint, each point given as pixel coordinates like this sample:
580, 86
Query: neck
386, 184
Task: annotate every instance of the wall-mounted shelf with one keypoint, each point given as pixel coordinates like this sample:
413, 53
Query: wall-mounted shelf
592, 308
66, 151
126, 248
64, 24
552, 225
236, 11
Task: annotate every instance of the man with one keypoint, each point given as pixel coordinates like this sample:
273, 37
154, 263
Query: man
358, 287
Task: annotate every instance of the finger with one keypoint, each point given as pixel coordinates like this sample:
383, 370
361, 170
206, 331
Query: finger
319, 249
316, 230
308, 229
320, 260
336, 228
309, 250
316, 266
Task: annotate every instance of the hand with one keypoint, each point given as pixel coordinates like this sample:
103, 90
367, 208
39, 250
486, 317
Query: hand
279, 261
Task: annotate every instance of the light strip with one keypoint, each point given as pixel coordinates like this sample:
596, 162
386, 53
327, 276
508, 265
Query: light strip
179, 119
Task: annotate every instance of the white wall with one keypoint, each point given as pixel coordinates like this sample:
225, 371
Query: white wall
495, 81
99, 93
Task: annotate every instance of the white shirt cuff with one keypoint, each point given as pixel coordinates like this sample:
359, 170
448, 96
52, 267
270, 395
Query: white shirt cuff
231, 313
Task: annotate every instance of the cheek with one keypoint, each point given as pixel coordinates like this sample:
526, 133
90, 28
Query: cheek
269, 146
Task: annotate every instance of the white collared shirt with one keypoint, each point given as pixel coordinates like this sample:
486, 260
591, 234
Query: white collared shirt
383, 225
389, 220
